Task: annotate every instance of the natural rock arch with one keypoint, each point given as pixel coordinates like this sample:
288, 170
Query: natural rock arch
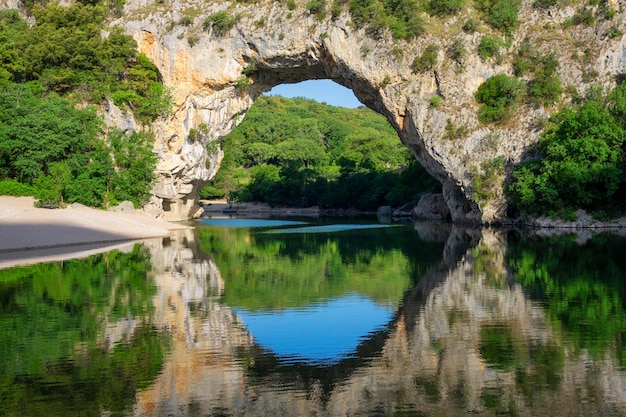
215, 78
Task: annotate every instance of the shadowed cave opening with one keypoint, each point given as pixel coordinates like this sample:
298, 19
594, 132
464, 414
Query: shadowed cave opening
312, 143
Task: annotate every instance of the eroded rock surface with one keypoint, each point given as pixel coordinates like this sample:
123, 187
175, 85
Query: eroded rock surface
215, 78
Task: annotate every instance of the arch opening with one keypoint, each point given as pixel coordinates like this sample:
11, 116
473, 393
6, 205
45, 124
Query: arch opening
313, 143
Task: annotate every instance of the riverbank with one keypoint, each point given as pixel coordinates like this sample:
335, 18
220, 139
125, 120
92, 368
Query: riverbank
29, 234
262, 210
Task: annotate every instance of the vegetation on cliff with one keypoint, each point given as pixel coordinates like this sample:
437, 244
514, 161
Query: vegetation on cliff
580, 160
52, 73
300, 152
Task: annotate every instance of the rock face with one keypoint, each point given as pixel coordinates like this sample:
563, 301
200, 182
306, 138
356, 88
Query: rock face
216, 75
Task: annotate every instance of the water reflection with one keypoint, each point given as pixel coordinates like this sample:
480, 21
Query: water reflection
472, 322
319, 334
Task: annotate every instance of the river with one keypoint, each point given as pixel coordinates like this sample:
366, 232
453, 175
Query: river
321, 318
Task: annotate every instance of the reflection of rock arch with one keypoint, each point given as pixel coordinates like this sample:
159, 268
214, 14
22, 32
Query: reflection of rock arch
428, 359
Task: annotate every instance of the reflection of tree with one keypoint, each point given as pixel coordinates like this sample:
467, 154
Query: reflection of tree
582, 286
53, 320
264, 271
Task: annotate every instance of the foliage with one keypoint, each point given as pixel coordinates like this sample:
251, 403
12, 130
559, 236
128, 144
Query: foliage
242, 82
445, 7
470, 25
581, 160
401, 17
501, 14
48, 144
545, 87
50, 137
457, 51
583, 16
15, 188
427, 61
435, 100
453, 132
613, 32
529, 59
488, 180
498, 94
489, 46
299, 152
65, 53
545, 4
221, 22
317, 7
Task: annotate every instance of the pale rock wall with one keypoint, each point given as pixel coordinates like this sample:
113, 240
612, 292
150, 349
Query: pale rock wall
292, 46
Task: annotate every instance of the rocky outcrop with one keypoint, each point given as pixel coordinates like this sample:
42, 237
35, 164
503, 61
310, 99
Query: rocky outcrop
432, 207
215, 77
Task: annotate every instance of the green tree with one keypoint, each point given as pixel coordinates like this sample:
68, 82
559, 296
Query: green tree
445, 7
580, 165
498, 94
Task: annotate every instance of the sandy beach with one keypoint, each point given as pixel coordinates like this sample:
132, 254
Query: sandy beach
29, 234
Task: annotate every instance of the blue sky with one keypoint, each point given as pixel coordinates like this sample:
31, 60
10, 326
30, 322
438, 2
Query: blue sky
325, 91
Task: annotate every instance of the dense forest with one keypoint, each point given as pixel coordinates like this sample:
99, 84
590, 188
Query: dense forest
579, 161
53, 75
299, 152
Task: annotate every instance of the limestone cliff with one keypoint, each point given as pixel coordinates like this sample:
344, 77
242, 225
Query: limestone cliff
216, 75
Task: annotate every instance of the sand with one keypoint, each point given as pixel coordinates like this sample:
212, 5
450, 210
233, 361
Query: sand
29, 234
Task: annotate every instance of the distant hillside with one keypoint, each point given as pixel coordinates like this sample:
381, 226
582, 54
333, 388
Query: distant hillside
300, 152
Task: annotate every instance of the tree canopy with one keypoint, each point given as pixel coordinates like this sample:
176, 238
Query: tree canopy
301, 152
51, 137
581, 160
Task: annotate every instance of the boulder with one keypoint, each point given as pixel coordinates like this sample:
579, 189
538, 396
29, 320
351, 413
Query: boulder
432, 207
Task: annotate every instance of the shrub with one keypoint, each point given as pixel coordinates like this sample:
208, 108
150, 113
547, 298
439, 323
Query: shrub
580, 165
192, 40
545, 89
316, 7
457, 51
486, 182
435, 101
15, 188
400, 16
470, 25
445, 7
242, 82
427, 61
453, 131
221, 22
489, 46
498, 94
501, 14
185, 21
613, 32
582, 16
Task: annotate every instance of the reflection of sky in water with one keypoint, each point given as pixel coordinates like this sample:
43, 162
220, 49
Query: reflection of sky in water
329, 228
248, 222
323, 333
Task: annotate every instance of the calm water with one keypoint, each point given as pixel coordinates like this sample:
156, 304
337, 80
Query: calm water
273, 318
